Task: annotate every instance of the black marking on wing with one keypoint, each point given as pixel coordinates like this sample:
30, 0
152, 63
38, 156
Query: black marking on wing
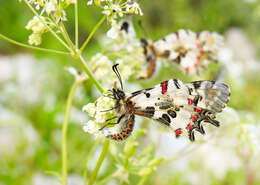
196, 84
136, 93
172, 113
196, 99
166, 118
149, 111
163, 121
125, 26
190, 91
147, 95
176, 84
166, 53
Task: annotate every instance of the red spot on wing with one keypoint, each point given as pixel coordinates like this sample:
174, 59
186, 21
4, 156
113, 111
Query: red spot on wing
164, 87
190, 101
178, 132
177, 35
198, 58
193, 118
188, 126
187, 69
197, 110
198, 45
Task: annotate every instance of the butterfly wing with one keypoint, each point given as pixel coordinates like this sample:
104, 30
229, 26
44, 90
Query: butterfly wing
182, 106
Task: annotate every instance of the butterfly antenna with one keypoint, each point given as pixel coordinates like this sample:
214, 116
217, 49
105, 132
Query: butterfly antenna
118, 74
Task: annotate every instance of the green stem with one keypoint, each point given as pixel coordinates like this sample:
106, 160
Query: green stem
89, 73
61, 28
92, 33
66, 35
33, 47
64, 131
48, 27
142, 181
90, 153
76, 25
100, 161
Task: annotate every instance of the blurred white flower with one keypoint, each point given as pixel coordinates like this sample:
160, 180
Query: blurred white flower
90, 2
50, 6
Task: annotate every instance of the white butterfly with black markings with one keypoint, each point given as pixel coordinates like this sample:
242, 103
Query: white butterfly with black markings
183, 107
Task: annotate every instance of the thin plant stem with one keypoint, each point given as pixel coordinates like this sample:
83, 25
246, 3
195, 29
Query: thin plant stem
89, 73
48, 27
64, 130
66, 35
63, 31
33, 47
142, 181
90, 153
76, 25
100, 161
92, 32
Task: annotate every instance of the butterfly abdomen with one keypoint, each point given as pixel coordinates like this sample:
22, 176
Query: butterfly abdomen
125, 131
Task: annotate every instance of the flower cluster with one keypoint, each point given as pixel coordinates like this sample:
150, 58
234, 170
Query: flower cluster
98, 111
190, 50
115, 9
38, 28
51, 12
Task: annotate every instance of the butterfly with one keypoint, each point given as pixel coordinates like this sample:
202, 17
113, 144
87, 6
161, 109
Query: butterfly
191, 51
183, 107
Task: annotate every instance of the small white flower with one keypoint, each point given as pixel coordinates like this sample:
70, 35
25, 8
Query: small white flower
50, 7
134, 8
35, 39
91, 127
90, 2
96, 111
90, 108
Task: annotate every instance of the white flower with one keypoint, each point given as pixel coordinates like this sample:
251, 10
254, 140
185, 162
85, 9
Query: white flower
35, 39
134, 8
50, 7
97, 112
91, 127
37, 28
90, 2
90, 108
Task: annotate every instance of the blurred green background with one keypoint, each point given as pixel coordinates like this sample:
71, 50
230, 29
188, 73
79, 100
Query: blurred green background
34, 86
